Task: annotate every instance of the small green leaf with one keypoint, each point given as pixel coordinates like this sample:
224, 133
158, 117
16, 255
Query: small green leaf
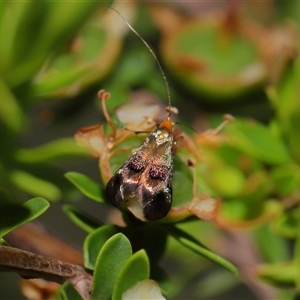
13, 216
87, 186
200, 43
135, 269
226, 180
257, 141
287, 224
293, 133
68, 292
286, 178
112, 257
58, 149
34, 185
182, 183
80, 218
193, 244
280, 274
11, 113
135, 66
266, 241
94, 242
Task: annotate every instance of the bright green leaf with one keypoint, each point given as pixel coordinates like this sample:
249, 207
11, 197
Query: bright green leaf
182, 183
293, 134
59, 149
87, 186
34, 185
286, 178
11, 113
94, 242
135, 269
287, 224
227, 181
280, 274
81, 219
113, 255
50, 28
225, 64
257, 140
13, 216
267, 240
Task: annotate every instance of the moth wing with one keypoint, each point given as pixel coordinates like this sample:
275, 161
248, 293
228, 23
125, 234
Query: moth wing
124, 182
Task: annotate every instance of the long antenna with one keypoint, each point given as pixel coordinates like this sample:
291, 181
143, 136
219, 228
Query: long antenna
153, 54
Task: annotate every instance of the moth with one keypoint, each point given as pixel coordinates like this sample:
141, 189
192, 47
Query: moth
144, 182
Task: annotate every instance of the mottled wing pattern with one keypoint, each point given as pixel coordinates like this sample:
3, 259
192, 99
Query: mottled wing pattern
144, 182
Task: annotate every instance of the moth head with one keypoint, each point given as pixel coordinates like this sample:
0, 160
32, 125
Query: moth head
167, 124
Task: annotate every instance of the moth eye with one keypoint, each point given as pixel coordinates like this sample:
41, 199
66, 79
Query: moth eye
158, 172
137, 163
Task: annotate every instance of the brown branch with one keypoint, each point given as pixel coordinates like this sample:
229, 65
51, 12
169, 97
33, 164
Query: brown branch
33, 237
246, 258
30, 265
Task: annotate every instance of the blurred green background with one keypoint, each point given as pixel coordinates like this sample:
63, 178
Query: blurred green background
230, 57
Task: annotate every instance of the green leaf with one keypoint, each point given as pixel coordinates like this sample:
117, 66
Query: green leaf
257, 140
50, 28
267, 240
182, 183
81, 219
58, 149
193, 244
11, 113
68, 292
94, 242
200, 43
135, 66
284, 97
286, 179
70, 72
135, 269
34, 185
280, 274
112, 257
13, 216
294, 140
87, 186
287, 224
